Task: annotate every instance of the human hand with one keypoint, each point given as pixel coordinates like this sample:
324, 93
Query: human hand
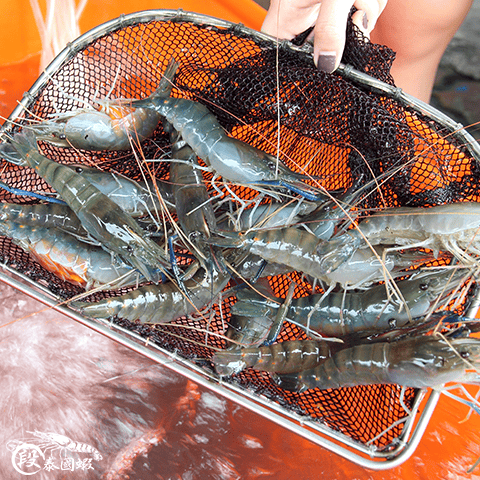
287, 18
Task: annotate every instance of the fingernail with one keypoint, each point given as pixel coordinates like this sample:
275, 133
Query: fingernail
365, 21
326, 61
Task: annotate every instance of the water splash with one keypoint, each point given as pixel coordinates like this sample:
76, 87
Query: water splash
58, 27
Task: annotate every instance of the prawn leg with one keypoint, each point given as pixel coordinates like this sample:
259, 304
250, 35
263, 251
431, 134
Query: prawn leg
26, 193
280, 316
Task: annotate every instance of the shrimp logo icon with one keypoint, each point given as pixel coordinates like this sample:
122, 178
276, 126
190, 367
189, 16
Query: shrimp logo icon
50, 451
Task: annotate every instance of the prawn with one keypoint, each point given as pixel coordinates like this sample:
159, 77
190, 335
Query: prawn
194, 211
192, 203
114, 127
284, 357
296, 248
299, 250
452, 227
161, 303
68, 258
426, 361
342, 313
116, 231
321, 220
230, 158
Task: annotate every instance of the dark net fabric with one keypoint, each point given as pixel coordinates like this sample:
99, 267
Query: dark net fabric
329, 128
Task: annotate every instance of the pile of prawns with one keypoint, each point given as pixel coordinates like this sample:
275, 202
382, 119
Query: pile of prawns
104, 230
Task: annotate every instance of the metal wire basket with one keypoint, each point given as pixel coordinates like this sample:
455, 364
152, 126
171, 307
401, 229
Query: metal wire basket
351, 124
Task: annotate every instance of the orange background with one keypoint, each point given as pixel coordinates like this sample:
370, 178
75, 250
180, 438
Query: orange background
448, 447
19, 36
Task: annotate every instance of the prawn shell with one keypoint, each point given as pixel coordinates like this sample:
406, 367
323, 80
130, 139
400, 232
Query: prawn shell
65, 265
131, 196
161, 303
247, 331
45, 215
293, 247
117, 130
67, 257
284, 357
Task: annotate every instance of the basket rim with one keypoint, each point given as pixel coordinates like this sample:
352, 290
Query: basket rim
360, 79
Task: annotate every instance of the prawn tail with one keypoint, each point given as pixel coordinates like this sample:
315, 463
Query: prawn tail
24, 143
163, 90
105, 309
287, 381
227, 363
19, 145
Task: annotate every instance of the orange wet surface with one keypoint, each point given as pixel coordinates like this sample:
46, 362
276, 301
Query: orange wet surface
448, 447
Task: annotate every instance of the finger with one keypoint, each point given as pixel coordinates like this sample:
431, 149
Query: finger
360, 19
286, 19
329, 41
329, 33
366, 16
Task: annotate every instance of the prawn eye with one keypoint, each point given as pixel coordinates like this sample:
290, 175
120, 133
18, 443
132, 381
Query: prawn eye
271, 165
392, 323
196, 235
423, 286
62, 136
465, 354
79, 169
